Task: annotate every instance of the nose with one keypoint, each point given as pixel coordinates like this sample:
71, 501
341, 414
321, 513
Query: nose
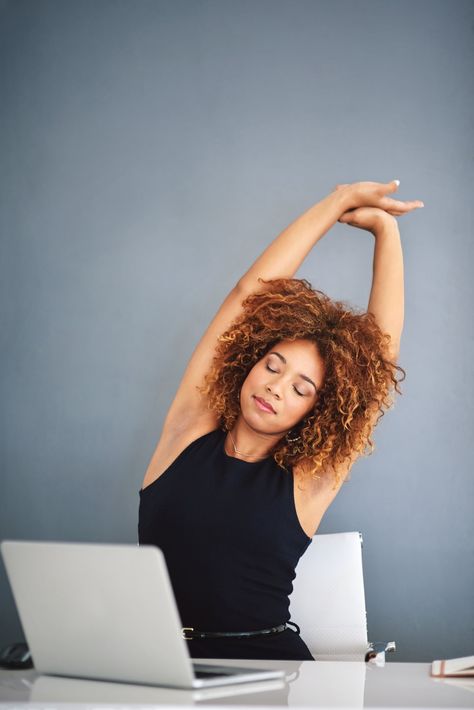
273, 390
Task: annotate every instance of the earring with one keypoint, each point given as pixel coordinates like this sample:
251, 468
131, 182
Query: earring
291, 441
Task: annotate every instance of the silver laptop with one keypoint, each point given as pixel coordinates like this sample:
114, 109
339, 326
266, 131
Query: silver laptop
107, 612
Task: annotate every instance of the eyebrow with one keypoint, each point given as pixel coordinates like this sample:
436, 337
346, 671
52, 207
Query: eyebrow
304, 377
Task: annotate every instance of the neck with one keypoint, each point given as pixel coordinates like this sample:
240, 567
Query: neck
245, 443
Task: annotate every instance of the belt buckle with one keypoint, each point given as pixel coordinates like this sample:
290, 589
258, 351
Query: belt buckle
183, 631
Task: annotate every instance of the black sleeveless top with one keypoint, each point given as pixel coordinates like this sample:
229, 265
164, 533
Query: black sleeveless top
231, 538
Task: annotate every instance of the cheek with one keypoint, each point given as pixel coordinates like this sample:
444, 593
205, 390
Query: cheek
294, 411
253, 379
248, 385
302, 407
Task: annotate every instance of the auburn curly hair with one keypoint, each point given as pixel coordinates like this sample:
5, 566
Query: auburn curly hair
359, 375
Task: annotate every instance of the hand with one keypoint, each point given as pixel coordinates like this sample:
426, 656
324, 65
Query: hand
375, 194
372, 219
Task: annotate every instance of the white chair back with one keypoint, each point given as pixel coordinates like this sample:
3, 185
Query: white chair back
328, 600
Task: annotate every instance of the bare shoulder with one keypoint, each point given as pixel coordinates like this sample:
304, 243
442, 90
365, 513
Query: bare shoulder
172, 442
320, 492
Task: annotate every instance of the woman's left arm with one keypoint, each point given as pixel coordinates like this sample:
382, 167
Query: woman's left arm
386, 300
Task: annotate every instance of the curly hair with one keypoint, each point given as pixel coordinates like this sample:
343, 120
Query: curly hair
359, 374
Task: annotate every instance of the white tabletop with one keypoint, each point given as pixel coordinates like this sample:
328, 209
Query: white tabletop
335, 684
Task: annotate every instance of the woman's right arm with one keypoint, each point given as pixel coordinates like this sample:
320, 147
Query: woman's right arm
285, 254
189, 406
188, 416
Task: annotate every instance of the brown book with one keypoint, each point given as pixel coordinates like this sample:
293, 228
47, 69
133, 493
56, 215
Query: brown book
453, 667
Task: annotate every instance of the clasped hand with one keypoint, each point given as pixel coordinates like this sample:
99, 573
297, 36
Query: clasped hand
368, 205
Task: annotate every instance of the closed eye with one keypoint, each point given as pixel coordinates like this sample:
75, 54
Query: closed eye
297, 391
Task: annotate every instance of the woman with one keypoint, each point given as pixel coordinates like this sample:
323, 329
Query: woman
277, 402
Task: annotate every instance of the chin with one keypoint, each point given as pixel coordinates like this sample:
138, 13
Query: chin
252, 417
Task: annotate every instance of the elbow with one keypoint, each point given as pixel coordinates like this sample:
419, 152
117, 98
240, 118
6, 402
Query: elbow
393, 349
248, 285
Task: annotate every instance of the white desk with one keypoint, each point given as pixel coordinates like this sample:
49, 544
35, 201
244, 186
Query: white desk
334, 684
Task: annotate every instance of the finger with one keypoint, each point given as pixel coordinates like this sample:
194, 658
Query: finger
397, 213
393, 185
384, 187
346, 216
387, 203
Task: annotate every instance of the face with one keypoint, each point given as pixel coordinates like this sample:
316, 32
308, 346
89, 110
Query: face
282, 387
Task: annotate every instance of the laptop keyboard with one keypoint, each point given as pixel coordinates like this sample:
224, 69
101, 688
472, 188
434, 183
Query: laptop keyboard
208, 674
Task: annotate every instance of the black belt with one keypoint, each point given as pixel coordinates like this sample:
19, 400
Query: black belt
190, 633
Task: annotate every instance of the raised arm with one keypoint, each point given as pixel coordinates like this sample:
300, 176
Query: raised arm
281, 259
386, 300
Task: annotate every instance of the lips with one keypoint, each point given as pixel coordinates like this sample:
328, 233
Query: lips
265, 405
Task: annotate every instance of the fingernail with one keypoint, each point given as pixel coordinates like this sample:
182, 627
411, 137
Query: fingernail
397, 181
422, 204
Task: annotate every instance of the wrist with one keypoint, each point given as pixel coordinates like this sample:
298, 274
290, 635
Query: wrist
386, 227
343, 199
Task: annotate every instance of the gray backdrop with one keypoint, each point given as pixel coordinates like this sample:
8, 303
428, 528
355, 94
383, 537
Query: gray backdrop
150, 150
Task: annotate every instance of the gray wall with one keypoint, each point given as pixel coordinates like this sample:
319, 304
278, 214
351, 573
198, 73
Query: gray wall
150, 150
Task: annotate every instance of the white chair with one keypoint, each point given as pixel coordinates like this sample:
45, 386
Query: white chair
328, 601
